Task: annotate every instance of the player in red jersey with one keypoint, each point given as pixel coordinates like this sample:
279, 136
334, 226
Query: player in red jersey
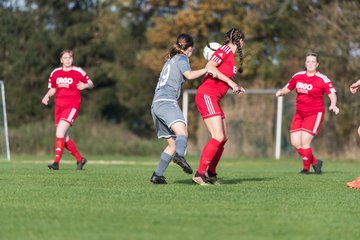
65, 83
356, 183
310, 86
208, 97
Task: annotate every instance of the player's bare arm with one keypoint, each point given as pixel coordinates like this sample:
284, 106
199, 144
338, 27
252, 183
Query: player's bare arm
196, 73
48, 95
282, 92
333, 100
354, 87
81, 86
212, 67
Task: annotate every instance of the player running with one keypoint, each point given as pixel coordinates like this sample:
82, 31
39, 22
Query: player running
168, 119
208, 97
65, 83
356, 183
310, 86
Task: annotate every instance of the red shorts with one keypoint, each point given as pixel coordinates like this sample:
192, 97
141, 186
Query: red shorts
308, 123
208, 106
67, 114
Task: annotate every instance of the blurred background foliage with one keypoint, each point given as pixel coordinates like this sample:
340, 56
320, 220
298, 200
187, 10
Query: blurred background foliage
122, 44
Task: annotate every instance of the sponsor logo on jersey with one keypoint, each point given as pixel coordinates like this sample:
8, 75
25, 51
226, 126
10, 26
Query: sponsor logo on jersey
303, 87
221, 55
64, 82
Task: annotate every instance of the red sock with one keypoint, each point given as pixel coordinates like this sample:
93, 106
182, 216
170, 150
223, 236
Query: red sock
59, 149
214, 162
71, 147
313, 159
208, 154
307, 158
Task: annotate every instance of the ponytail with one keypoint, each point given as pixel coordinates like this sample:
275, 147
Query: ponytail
183, 42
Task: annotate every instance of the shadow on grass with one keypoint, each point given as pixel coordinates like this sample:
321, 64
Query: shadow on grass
240, 180
227, 181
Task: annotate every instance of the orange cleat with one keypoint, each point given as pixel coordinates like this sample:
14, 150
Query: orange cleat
354, 184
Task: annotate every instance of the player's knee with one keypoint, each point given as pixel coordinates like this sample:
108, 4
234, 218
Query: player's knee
359, 131
296, 143
219, 138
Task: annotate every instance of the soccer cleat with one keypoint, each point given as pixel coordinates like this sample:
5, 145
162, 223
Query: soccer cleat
354, 184
212, 178
155, 179
200, 179
80, 164
317, 167
304, 171
54, 166
179, 160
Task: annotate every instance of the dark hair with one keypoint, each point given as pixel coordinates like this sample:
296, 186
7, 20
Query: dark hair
183, 42
63, 52
313, 54
233, 36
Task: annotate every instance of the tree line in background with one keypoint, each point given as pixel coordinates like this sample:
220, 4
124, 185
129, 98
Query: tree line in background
122, 43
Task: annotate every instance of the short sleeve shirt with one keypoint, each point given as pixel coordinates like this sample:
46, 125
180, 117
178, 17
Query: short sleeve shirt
67, 94
310, 91
172, 78
225, 59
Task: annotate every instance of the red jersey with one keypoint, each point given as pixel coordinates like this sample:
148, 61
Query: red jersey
67, 94
225, 59
310, 91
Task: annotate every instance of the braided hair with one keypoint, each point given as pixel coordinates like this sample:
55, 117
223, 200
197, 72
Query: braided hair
233, 36
183, 42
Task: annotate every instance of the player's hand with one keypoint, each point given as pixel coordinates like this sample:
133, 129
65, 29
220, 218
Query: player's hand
235, 88
241, 90
45, 100
353, 88
81, 86
334, 109
212, 73
279, 93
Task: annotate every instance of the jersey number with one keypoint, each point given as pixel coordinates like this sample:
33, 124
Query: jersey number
164, 77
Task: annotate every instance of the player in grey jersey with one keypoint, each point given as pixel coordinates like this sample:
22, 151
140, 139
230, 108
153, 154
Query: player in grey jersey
168, 118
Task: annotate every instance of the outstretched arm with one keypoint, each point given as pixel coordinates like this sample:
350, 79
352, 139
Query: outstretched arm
354, 87
195, 74
333, 100
282, 92
48, 95
212, 67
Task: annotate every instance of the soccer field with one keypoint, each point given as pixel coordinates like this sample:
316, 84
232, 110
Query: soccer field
258, 199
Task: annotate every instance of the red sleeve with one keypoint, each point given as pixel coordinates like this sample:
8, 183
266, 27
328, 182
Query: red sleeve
84, 77
291, 84
221, 54
329, 88
52, 81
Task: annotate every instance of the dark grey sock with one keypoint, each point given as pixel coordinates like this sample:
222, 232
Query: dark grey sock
181, 144
164, 162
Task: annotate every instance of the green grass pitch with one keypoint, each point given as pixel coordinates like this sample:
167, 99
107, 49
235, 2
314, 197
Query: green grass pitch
258, 199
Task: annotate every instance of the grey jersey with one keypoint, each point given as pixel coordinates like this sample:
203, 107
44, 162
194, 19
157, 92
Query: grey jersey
171, 78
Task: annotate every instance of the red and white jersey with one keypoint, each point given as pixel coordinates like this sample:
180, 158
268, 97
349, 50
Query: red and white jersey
310, 91
65, 83
225, 59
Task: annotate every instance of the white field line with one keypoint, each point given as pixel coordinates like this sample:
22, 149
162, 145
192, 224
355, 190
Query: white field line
117, 162
98, 162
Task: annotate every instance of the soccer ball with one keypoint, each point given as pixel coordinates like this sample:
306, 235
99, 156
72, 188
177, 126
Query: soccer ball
207, 52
